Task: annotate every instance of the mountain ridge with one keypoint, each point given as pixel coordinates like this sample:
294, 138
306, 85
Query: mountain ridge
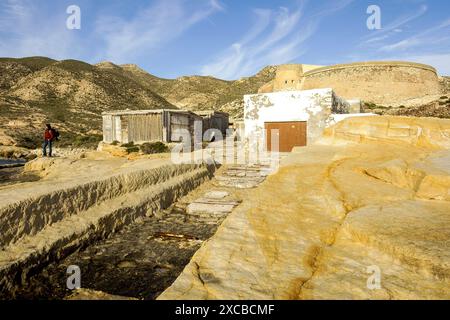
72, 94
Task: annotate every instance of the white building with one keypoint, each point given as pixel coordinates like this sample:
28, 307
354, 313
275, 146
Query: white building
299, 116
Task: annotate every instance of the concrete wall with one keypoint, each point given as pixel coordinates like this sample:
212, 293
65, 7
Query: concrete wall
355, 105
313, 106
239, 128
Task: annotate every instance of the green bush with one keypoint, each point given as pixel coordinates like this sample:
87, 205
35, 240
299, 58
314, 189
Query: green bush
59, 116
29, 141
132, 149
154, 147
128, 145
115, 143
88, 141
370, 105
444, 97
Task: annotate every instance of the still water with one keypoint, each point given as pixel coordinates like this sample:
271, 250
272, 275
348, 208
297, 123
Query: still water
11, 161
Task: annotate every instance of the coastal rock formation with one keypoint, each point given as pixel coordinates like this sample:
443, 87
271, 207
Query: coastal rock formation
363, 215
419, 132
79, 201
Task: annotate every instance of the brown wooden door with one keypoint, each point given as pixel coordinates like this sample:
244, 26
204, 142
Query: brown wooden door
291, 134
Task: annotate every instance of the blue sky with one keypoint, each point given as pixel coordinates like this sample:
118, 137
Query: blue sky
227, 38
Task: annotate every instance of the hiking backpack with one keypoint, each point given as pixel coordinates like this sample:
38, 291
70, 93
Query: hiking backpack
55, 134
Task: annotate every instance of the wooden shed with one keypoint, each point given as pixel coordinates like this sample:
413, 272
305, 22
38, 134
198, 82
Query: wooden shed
214, 120
140, 126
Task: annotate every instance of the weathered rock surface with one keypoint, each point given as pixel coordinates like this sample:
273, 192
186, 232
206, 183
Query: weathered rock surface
86, 294
140, 261
11, 152
435, 188
332, 213
423, 132
55, 216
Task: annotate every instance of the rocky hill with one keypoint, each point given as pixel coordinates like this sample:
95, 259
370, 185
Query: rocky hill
437, 109
72, 94
198, 92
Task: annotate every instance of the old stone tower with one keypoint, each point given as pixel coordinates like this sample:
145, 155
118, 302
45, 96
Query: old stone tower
288, 77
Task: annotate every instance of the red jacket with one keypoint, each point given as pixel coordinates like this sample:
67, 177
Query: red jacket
48, 135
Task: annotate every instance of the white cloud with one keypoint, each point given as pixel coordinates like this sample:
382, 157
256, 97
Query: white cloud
242, 56
394, 27
276, 37
429, 36
153, 27
26, 29
24, 34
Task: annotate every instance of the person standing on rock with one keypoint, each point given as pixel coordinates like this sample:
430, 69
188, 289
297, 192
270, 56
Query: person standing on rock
48, 139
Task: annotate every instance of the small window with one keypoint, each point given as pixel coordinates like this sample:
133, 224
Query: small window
286, 82
293, 81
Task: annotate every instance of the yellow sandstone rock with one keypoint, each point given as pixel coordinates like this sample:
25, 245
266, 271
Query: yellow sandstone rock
435, 187
424, 132
396, 172
116, 151
86, 294
340, 220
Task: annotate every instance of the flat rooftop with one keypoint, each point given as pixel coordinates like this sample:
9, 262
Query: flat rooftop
141, 112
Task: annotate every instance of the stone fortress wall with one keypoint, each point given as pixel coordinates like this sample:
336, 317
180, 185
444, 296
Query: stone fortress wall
381, 82
288, 78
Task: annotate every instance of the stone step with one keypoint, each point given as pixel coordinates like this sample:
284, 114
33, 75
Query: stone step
251, 171
216, 194
238, 182
211, 206
235, 173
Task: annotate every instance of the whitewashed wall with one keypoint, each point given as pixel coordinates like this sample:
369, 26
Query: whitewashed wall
313, 106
